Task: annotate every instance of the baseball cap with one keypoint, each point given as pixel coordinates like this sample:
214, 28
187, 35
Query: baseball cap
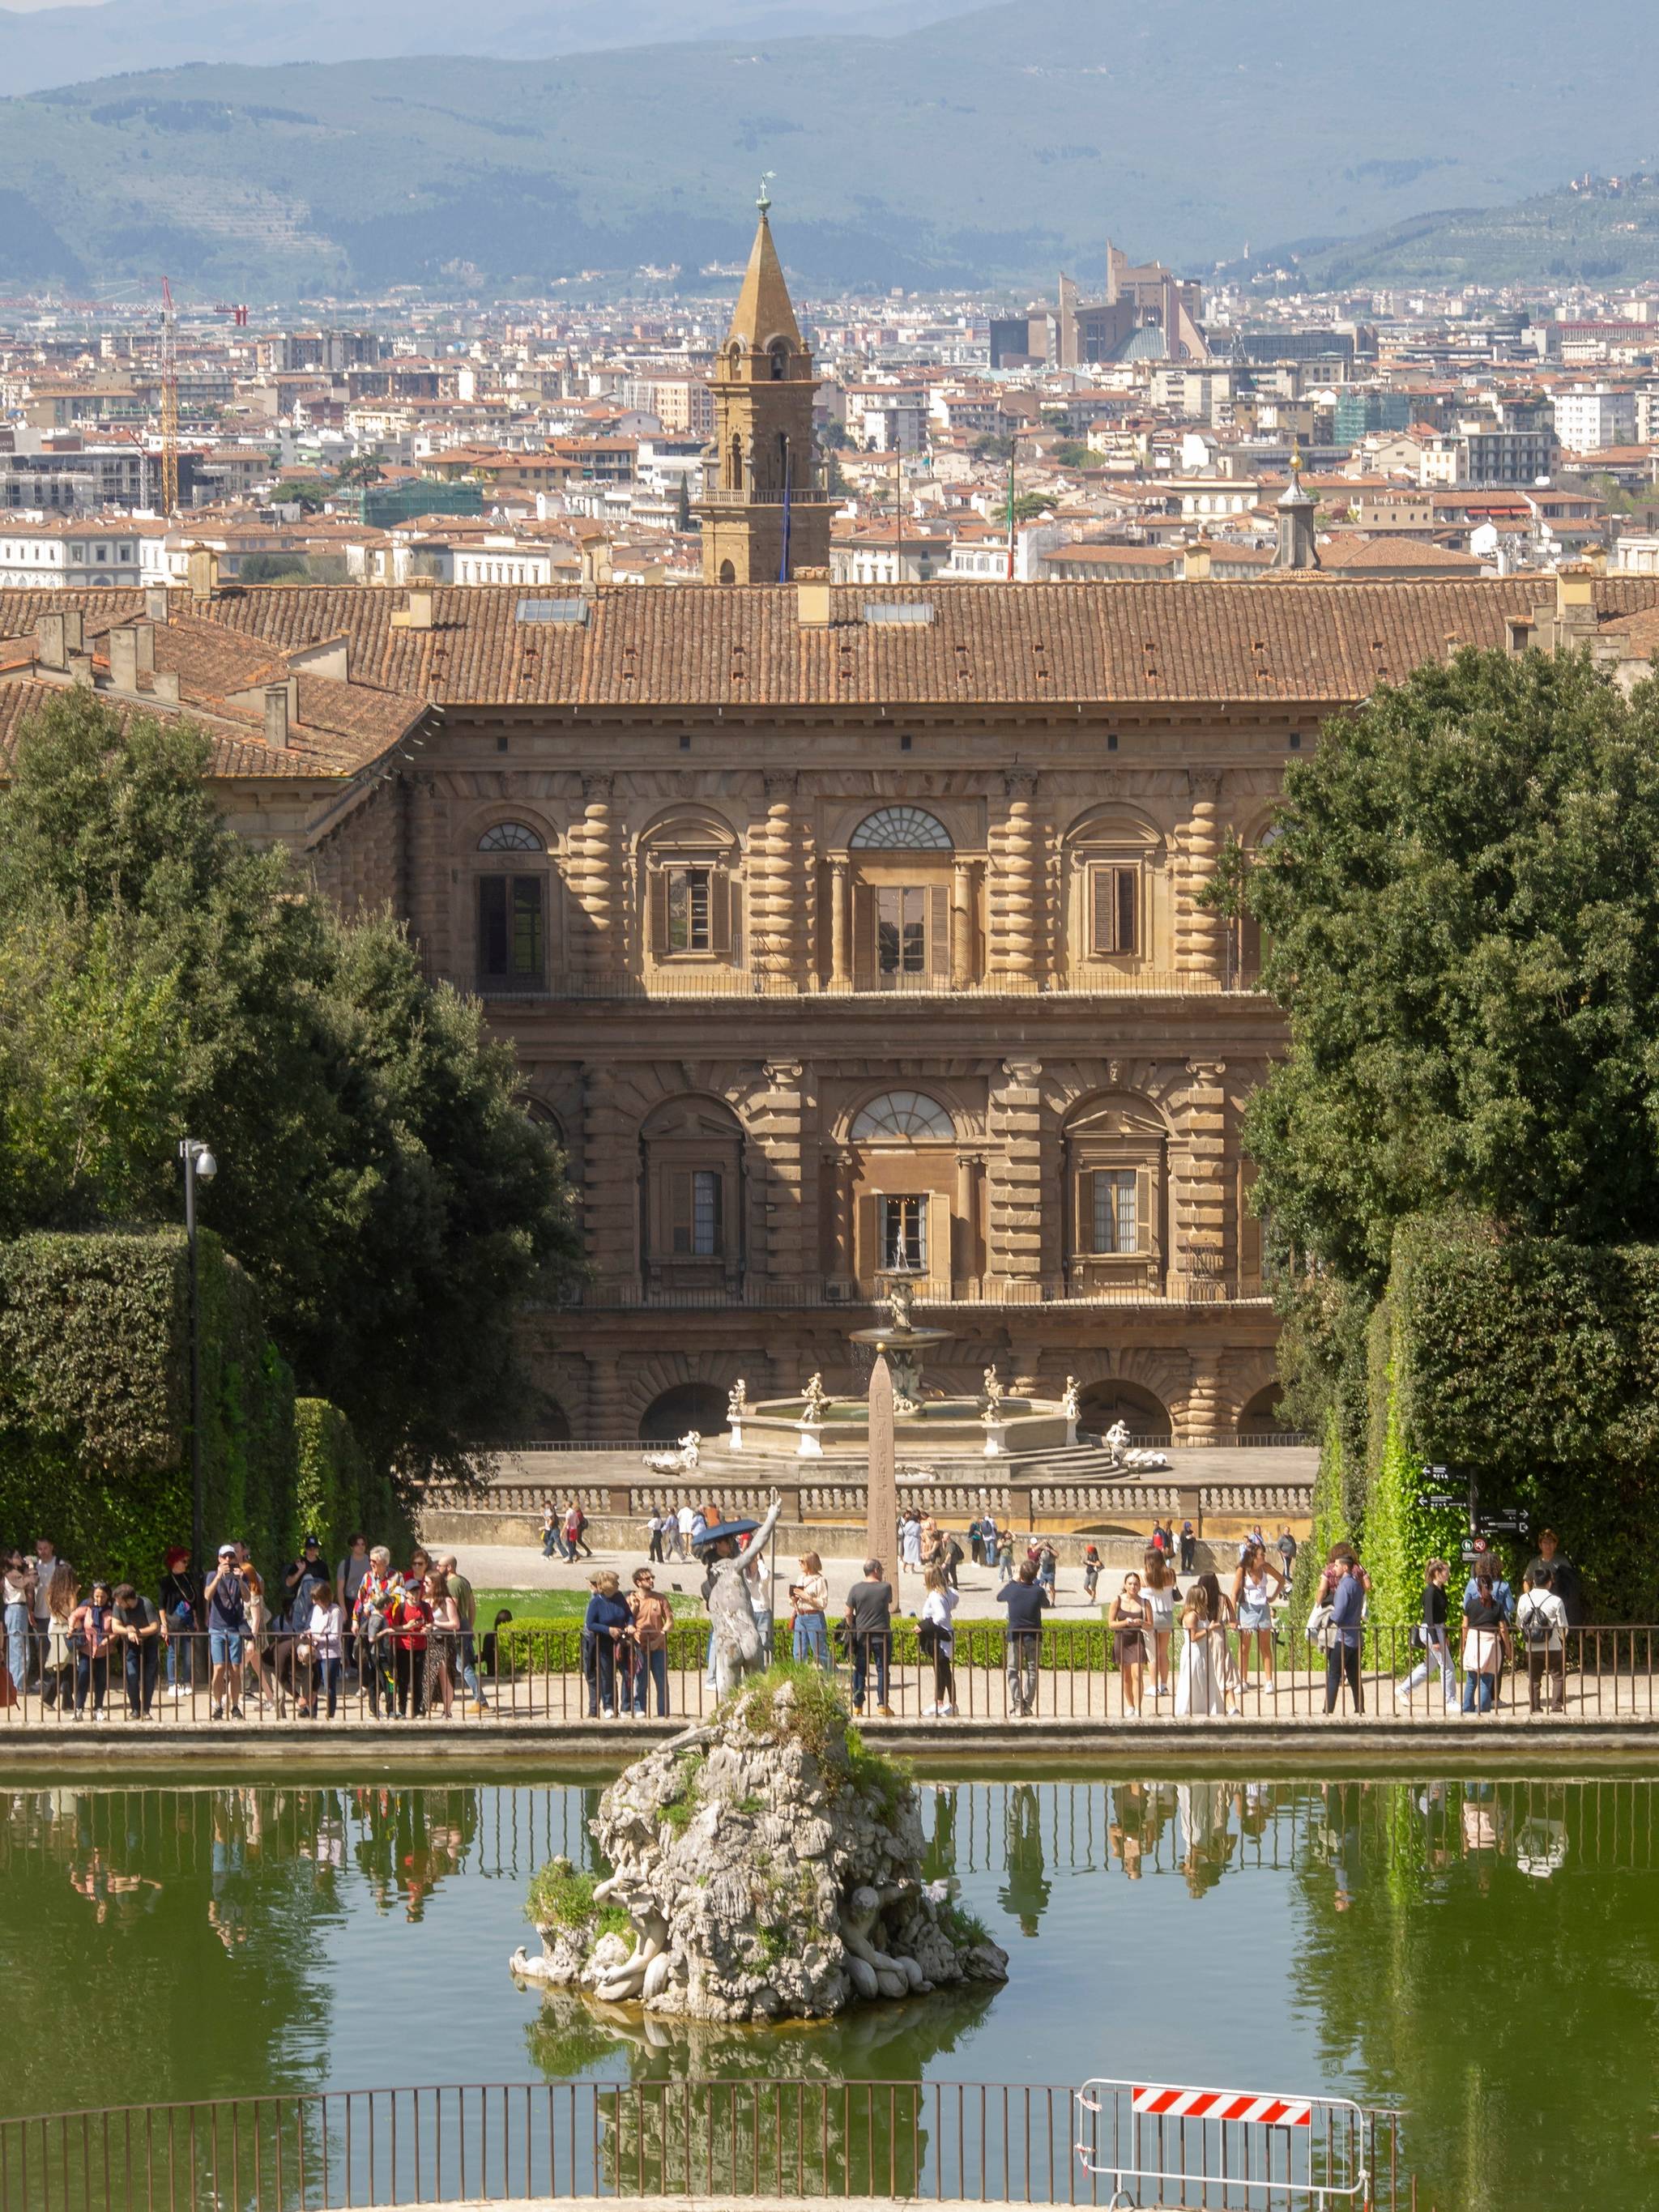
227, 1551
312, 1543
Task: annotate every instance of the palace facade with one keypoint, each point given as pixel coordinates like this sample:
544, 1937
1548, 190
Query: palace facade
837, 931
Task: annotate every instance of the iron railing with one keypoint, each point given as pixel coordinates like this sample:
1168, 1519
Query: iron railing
755, 981
552, 1673
339, 2150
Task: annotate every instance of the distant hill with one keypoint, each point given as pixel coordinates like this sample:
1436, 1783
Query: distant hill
990, 148
45, 46
1600, 234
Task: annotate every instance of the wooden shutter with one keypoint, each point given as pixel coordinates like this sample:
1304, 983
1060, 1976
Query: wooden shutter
720, 1214
939, 930
734, 920
1126, 907
657, 882
719, 913
864, 935
1143, 1188
867, 1258
1100, 912
679, 1210
1249, 1229
940, 1268
1086, 1210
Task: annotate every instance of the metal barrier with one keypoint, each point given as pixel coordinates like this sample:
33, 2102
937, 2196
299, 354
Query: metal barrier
538, 1672
520, 2142
1228, 2147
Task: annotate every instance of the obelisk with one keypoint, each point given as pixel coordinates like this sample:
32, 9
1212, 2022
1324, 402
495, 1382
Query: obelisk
882, 1532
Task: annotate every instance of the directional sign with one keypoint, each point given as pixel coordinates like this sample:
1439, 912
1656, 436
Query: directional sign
1441, 1501
1504, 1524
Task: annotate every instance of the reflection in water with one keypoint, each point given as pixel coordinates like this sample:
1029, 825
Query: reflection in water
289, 1937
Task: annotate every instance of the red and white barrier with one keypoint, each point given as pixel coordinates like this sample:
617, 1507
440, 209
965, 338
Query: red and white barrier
1165, 2103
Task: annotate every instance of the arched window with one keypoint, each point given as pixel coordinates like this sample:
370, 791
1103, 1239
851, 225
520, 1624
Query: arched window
900, 830
778, 354
511, 837
692, 1158
908, 1116
728, 573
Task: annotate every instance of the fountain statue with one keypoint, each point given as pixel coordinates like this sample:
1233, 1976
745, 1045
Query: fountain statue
736, 1637
992, 1384
736, 1405
682, 1460
766, 1872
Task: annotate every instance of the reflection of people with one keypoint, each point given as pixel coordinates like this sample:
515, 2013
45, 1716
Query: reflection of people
1025, 1891
1342, 1803
1207, 1839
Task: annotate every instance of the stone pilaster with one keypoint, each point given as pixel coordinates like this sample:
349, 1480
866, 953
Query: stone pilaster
777, 906
1016, 886
837, 1172
594, 875
776, 1120
1198, 1260
1014, 1259
611, 1157
1199, 931
428, 879
1199, 1419
609, 1419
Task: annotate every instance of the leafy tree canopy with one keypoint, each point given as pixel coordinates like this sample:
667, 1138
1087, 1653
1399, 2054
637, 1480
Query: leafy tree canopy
158, 977
1461, 907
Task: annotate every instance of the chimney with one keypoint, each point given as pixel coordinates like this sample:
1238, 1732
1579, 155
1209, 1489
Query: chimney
80, 667
165, 687
1575, 601
155, 603
812, 598
596, 564
144, 632
50, 649
124, 660
74, 632
203, 572
1195, 567
415, 612
276, 717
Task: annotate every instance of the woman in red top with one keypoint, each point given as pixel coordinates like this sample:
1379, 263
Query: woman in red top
412, 1619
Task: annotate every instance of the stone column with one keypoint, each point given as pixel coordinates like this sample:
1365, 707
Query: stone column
840, 922
775, 1117
1200, 1417
837, 1167
594, 877
1014, 1258
882, 1533
1200, 1210
1015, 887
611, 1181
969, 1167
962, 926
429, 892
609, 1420
775, 900
1199, 930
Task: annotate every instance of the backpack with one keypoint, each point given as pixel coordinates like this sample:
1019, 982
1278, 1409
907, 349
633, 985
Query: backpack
1535, 1624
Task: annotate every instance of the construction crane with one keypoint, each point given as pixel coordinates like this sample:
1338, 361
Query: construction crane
169, 403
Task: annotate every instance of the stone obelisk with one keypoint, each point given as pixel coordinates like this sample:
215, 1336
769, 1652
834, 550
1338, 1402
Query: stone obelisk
882, 1532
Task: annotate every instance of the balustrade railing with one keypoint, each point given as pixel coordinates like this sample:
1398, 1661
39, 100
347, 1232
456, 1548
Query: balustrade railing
757, 981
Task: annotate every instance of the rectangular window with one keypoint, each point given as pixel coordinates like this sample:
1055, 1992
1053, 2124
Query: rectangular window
510, 935
1115, 918
689, 925
902, 931
698, 1214
1115, 1224
904, 1235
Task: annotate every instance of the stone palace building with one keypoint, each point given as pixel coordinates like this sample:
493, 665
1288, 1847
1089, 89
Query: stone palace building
838, 931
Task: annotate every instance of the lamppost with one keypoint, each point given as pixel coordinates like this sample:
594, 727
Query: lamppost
200, 1166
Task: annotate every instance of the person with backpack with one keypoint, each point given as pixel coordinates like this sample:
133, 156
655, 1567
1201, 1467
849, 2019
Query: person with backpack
575, 1533
1541, 1619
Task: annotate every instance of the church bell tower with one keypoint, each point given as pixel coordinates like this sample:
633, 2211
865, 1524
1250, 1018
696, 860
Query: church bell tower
763, 511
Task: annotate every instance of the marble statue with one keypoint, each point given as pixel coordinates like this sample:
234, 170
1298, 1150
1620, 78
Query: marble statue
682, 1460
994, 1394
818, 1401
1116, 1441
738, 1648
736, 1403
901, 1304
1070, 1401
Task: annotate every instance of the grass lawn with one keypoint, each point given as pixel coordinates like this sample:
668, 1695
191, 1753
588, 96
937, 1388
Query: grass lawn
533, 1604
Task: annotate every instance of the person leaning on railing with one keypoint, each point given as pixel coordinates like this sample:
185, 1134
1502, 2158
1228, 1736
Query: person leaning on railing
1025, 1598
1541, 1620
809, 1610
653, 1617
135, 1627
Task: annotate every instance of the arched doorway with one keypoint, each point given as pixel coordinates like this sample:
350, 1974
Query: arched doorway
1263, 1415
697, 1406
1103, 1405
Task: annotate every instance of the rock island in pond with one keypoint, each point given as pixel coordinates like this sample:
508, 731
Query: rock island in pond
765, 1867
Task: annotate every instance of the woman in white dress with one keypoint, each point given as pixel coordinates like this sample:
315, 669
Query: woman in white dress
1158, 1594
1198, 1685
910, 1544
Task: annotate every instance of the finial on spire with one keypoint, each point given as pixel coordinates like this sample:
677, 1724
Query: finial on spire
765, 199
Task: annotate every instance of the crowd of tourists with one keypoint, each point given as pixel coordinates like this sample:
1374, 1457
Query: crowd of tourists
402, 1639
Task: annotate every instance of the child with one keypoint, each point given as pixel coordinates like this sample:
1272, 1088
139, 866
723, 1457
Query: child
1090, 1569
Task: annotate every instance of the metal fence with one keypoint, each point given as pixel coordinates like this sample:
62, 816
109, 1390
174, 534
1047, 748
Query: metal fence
844, 1499
1077, 1670
521, 2142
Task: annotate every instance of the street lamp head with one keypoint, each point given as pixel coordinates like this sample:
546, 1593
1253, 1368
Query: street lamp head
206, 1166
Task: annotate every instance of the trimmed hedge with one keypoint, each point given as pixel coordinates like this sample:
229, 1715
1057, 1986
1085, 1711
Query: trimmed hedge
94, 1402
554, 1647
335, 1488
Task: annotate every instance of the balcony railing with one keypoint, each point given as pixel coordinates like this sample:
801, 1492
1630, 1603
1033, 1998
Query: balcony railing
1177, 1289
1078, 983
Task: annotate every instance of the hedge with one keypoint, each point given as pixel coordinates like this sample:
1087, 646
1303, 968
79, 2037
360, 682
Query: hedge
554, 1647
335, 1489
94, 1402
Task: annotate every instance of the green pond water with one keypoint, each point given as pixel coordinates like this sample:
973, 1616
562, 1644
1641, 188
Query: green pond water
1482, 1953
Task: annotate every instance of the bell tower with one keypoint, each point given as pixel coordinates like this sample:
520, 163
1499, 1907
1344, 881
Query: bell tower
763, 511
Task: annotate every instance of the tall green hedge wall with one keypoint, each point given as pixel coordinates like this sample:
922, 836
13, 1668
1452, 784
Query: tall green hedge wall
1533, 1363
94, 1402
337, 1490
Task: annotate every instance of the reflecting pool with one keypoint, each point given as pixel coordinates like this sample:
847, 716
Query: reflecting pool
1484, 1953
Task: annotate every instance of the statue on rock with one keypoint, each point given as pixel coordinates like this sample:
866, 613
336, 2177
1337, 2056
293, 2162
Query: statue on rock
769, 1869
739, 1650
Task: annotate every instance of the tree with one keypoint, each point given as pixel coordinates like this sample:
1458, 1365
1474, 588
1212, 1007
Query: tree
274, 568
377, 1180
361, 469
1073, 453
310, 494
1463, 910
1029, 505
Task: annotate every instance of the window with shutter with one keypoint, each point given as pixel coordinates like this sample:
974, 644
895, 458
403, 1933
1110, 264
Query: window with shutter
510, 943
938, 931
1114, 1210
864, 935
1114, 911
679, 1213
940, 1264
